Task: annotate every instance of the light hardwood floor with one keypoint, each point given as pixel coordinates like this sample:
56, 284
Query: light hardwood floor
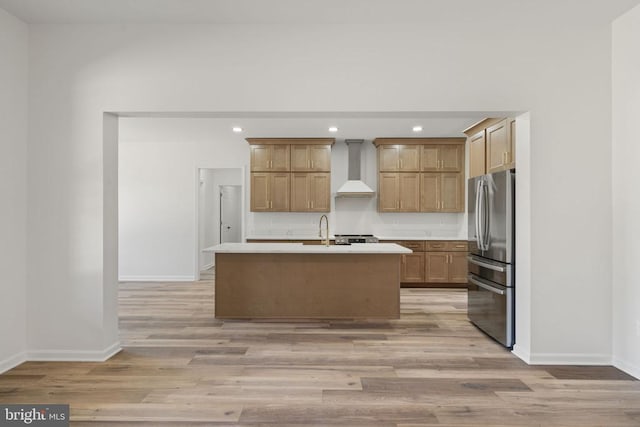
180, 366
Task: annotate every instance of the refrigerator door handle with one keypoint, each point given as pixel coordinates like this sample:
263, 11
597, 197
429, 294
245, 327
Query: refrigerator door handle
485, 286
485, 216
476, 261
478, 230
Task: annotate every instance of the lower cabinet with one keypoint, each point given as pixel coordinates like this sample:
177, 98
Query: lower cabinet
446, 267
434, 263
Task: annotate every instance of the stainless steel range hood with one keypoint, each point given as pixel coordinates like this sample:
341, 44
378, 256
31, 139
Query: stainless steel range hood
354, 187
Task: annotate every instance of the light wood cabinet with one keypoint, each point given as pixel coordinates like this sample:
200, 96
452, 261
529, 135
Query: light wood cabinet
492, 146
498, 146
442, 192
438, 187
442, 158
399, 192
290, 174
446, 263
399, 158
477, 156
310, 192
270, 158
412, 268
311, 158
270, 191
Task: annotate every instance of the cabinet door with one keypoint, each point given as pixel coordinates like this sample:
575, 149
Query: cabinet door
388, 185
269, 158
409, 192
409, 158
279, 191
477, 155
280, 157
300, 192
451, 192
260, 158
430, 200
412, 268
320, 158
436, 267
260, 192
300, 160
388, 158
430, 159
497, 146
450, 157
457, 267
320, 192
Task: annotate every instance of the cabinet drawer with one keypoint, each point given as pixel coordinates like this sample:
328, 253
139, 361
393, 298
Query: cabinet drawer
458, 246
435, 246
414, 245
447, 246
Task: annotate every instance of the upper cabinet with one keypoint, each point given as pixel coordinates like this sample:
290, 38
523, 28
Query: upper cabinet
399, 158
311, 158
420, 174
290, 174
442, 158
491, 146
270, 158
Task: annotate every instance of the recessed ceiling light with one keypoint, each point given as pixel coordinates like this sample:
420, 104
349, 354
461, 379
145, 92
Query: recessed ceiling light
333, 129
417, 128
237, 129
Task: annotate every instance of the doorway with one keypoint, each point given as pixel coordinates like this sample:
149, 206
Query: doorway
220, 218
230, 213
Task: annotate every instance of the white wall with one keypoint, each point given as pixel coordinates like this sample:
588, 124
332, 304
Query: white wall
14, 44
560, 73
626, 197
158, 170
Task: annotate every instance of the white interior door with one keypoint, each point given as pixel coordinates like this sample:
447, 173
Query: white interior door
230, 213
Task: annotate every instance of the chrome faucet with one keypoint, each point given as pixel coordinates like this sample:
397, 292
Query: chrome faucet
326, 241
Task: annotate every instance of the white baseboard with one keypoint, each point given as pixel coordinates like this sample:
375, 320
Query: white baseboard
629, 368
569, 359
156, 279
12, 361
523, 353
206, 267
74, 355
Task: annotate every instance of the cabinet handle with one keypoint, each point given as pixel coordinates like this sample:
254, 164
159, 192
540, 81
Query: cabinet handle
400, 204
311, 164
312, 204
401, 164
308, 204
270, 204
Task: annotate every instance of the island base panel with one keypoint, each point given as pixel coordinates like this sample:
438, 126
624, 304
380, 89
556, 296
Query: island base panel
307, 286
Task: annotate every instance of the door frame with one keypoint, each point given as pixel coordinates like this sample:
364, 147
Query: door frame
243, 192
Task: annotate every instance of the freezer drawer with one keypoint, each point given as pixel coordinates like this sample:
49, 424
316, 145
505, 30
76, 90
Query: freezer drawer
493, 271
491, 308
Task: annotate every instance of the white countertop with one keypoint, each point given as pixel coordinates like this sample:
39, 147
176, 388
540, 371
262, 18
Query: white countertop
295, 248
391, 237
287, 237
331, 237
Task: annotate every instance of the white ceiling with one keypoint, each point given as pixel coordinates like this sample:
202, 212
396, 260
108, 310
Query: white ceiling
313, 11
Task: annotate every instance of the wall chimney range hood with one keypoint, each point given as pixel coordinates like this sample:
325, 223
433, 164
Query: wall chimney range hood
354, 187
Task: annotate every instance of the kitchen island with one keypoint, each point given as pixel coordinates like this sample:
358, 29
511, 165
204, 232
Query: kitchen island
296, 281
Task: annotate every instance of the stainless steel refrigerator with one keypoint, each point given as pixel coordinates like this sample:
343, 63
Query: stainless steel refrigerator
491, 209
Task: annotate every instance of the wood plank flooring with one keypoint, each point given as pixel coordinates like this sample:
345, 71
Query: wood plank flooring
182, 367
